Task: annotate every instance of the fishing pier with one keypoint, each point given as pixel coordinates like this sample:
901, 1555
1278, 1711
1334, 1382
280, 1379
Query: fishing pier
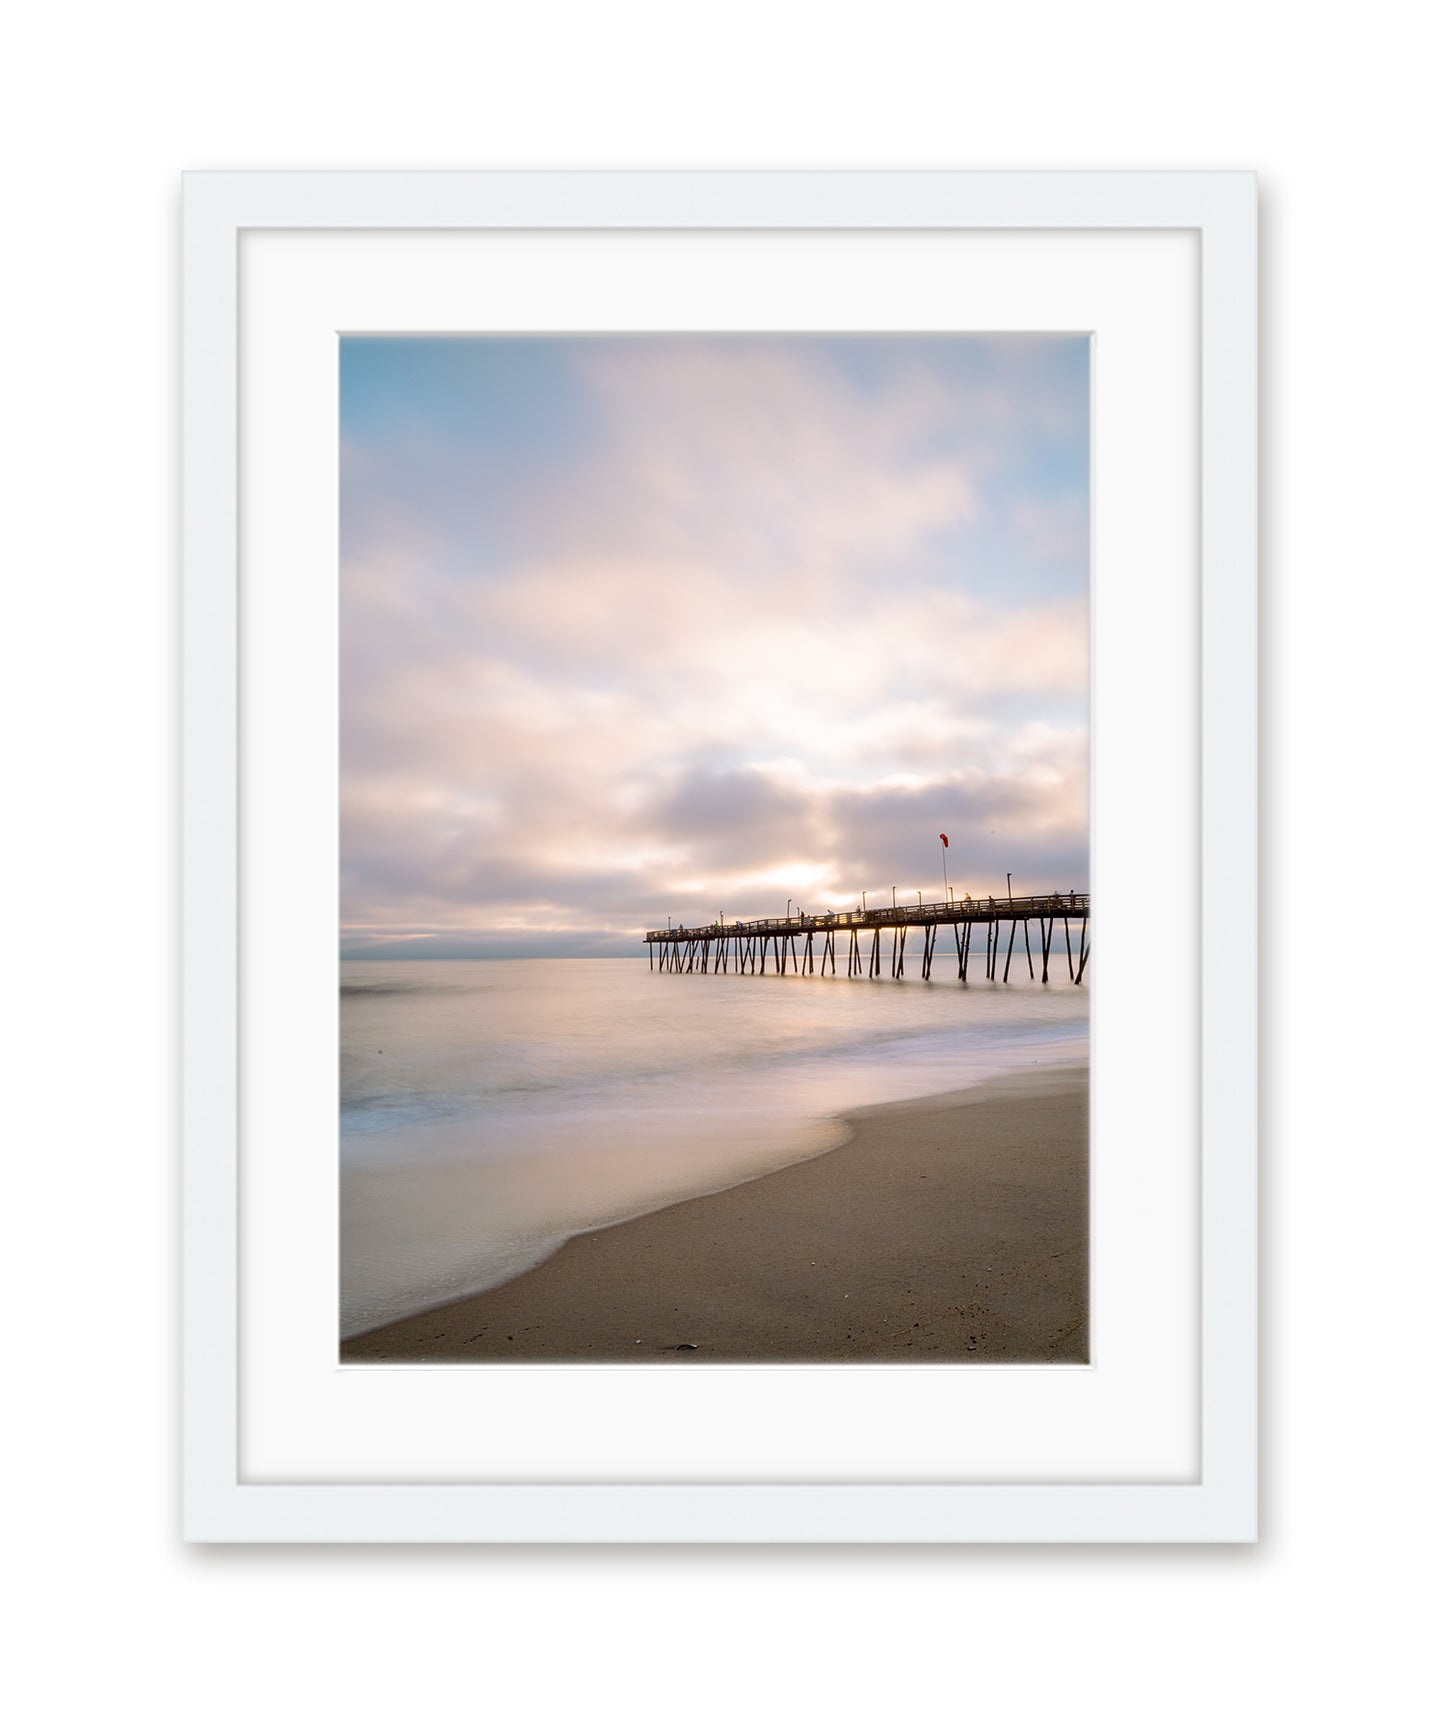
749, 947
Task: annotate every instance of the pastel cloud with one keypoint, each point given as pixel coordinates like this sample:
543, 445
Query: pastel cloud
651, 627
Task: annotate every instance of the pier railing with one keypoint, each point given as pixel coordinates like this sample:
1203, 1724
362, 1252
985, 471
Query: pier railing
898, 915
744, 946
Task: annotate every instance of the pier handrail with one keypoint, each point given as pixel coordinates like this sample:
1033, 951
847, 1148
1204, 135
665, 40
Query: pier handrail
957, 909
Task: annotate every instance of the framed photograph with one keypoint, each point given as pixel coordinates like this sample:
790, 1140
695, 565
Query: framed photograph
683, 672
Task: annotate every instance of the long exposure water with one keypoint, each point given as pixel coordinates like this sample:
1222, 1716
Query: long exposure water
491, 1110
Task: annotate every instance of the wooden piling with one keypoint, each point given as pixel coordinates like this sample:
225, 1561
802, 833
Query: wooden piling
747, 946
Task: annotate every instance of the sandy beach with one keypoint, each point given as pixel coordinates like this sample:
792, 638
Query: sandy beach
954, 1228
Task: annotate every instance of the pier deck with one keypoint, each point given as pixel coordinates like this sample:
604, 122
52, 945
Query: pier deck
746, 947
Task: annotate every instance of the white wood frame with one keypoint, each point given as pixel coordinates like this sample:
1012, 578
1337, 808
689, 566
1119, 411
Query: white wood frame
1220, 207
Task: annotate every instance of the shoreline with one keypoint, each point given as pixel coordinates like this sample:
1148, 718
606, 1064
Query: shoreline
946, 1228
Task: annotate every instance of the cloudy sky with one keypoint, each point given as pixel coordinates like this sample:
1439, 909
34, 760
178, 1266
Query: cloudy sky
646, 628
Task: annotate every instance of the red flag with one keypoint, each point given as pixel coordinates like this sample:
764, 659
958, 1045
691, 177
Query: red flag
942, 839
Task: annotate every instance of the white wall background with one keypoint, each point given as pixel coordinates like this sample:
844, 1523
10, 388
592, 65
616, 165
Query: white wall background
1324, 1625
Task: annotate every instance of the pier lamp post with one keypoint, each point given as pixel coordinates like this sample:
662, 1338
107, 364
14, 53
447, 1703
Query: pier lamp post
895, 896
1010, 878
789, 913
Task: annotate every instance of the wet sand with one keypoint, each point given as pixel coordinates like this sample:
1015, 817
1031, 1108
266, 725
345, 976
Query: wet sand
949, 1229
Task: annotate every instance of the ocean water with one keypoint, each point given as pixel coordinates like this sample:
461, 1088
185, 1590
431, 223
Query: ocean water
489, 1111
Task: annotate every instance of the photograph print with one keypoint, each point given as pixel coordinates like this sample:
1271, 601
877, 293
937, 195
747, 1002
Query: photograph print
715, 952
